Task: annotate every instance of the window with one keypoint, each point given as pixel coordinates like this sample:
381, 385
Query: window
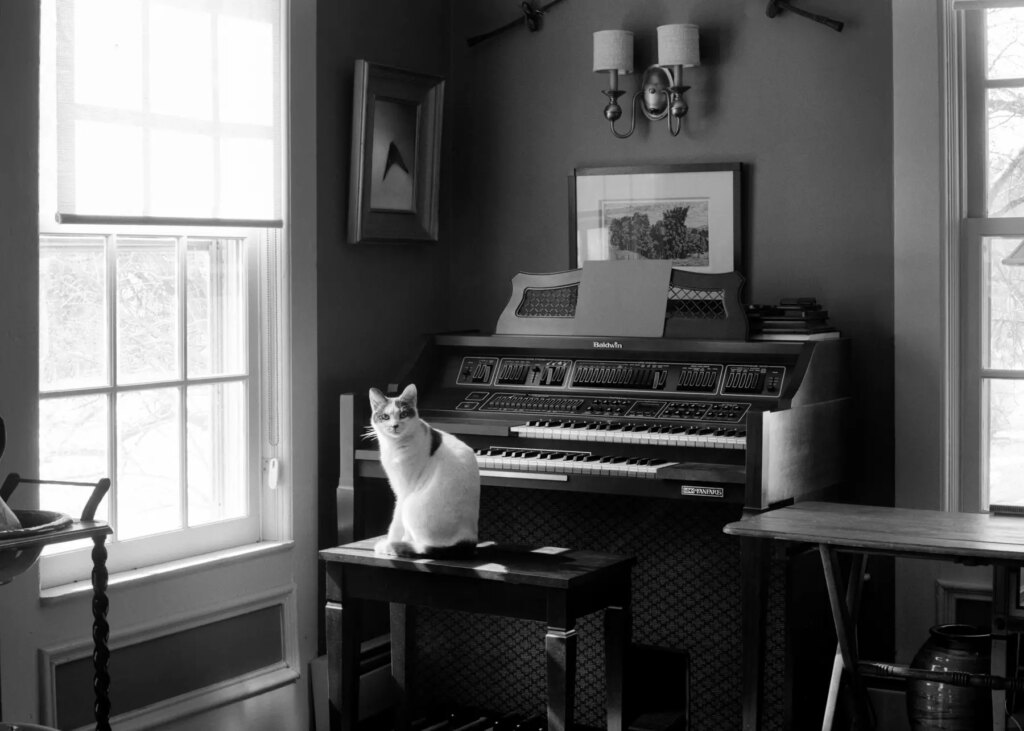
993, 250
160, 154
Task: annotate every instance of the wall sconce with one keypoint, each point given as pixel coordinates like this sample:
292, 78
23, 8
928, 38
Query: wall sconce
662, 87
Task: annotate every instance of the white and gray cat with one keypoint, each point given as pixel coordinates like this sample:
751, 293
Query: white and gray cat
434, 476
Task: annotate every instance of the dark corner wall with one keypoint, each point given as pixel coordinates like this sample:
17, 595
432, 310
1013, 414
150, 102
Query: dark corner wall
808, 112
375, 301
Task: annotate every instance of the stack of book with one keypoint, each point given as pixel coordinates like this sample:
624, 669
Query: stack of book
794, 318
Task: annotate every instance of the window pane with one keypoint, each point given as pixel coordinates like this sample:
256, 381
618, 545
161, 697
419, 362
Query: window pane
1004, 296
147, 310
148, 465
246, 88
217, 438
72, 313
216, 307
1004, 42
247, 177
108, 169
107, 46
1006, 152
72, 446
182, 174
1005, 440
180, 83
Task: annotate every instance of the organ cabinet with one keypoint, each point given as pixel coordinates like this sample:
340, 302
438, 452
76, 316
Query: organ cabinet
640, 445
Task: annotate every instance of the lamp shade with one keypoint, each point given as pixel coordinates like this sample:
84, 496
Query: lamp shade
613, 51
678, 45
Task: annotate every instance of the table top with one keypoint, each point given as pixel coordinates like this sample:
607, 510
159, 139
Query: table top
75, 530
545, 566
982, 537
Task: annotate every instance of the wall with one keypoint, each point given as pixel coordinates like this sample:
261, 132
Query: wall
26, 624
375, 301
925, 287
808, 111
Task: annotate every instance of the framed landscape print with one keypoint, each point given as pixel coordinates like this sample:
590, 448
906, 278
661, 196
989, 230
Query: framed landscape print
396, 155
689, 214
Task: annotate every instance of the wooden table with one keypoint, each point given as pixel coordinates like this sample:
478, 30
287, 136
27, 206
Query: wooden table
973, 538
553, 585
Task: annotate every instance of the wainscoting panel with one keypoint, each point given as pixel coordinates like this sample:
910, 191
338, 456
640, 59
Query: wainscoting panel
179, 667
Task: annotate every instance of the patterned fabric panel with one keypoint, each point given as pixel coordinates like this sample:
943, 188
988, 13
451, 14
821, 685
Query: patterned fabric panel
695, 304
686, 595
549, 301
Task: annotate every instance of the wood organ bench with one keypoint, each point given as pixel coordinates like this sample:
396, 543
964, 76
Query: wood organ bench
553, 585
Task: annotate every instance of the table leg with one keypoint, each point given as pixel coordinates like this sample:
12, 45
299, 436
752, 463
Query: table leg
401, 647
1004, 598
854, 584
617, 632
560, 648
755, 556
846, 637
100, 634
342, 629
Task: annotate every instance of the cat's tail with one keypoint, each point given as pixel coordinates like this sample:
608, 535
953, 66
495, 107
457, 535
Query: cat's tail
462, 549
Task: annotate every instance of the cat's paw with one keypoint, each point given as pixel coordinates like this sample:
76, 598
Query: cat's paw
383, 547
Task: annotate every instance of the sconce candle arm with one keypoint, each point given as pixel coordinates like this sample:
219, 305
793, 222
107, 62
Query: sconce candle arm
613, 111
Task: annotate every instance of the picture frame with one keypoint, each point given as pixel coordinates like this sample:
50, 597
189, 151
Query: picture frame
687, 213
396, 155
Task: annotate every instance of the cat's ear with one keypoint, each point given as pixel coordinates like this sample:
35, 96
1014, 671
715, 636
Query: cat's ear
409, 395
377, 399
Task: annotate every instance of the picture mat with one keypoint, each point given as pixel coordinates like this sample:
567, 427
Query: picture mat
392, 187
594, 192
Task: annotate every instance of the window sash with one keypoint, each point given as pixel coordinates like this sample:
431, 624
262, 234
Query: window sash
222, 144
976, 227
65, 567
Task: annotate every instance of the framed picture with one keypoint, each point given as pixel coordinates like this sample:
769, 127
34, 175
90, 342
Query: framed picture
396, 155
689, 214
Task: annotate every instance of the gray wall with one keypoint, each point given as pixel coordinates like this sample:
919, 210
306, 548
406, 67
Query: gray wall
808, 111
375, 301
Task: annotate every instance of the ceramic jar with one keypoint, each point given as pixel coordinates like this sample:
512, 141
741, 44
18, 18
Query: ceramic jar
935, 705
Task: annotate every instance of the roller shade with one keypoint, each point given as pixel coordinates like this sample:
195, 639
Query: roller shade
169, 111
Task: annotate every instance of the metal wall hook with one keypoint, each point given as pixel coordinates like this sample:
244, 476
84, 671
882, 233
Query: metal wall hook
777, 6
531, 18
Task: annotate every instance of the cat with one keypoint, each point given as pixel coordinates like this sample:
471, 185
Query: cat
434, 477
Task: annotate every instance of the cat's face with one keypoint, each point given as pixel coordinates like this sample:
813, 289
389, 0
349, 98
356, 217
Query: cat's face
393, 416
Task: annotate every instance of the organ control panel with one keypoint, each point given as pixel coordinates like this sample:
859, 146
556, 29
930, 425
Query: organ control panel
719, 420
642, 376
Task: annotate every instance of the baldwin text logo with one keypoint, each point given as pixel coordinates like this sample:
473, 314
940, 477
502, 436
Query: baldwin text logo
607, 344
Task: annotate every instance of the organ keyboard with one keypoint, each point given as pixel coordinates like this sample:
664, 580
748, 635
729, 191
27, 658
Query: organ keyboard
755, 423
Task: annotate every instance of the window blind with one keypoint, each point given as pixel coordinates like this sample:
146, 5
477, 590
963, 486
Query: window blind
169, 112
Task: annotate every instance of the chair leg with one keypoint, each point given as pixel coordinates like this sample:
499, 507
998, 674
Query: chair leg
617, 631
560, 647
401, 646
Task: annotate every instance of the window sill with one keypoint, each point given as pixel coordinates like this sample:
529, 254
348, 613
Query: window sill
158, 572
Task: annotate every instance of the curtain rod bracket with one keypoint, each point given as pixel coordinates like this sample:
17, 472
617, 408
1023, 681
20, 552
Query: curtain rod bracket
531, 18
777, 6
